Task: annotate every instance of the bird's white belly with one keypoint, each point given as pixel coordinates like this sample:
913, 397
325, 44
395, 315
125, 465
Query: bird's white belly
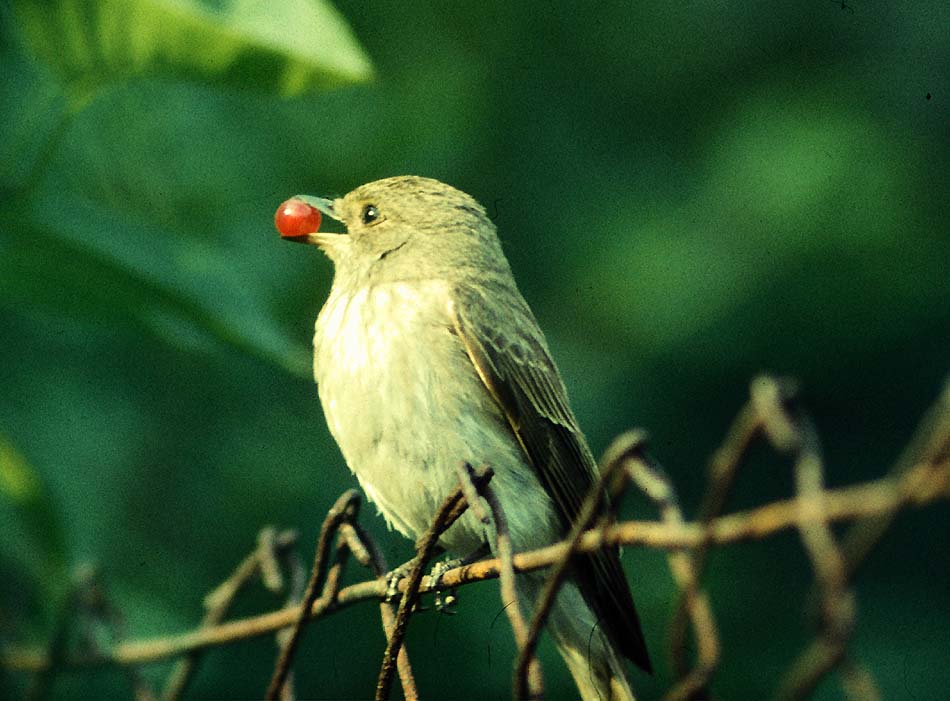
405, 405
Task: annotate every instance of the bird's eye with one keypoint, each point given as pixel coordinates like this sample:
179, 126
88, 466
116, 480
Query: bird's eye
370, 214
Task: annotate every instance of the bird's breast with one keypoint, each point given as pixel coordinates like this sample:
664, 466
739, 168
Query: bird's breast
398, 392
406, 406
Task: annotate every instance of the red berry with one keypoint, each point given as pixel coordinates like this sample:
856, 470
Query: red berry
296, 218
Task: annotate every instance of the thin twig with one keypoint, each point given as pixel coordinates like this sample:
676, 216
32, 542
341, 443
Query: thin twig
453, 507
97, 609
268, 558
629, 451
721, 474
464, 471
857, 681
930, 445
649, 476
920, 476
403, 667
218, 603
366, 550
797, 434
295, 593
590, 509
56, 652
509, 591
344, 508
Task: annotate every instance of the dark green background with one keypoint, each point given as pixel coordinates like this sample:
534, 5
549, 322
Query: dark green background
689, 193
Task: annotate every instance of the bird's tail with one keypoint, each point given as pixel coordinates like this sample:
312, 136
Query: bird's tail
591, 658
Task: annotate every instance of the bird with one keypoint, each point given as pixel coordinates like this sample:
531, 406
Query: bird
426, 355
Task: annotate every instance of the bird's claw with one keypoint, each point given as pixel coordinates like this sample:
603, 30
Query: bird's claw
393, 578
443, 599
445, 603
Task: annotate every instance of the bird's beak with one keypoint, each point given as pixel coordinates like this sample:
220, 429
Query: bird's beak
321, 203
320, 238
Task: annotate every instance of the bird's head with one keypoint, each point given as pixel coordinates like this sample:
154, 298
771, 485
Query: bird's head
406, 227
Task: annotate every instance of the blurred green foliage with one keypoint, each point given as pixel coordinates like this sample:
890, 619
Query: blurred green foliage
689, 193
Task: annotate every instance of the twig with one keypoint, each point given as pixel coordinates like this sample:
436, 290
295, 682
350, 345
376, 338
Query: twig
87, 607
295, 593
590, 509
652, 481
269, 549
920, 476
930, 445
218, 603
629, 452
722, 470
344, 508
448, 513
857, 681
366, 550
470, 491
56, 653
288, 638
99, 610
920, 486
797, 435
509, 592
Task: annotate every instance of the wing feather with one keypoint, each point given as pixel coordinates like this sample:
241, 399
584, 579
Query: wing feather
517, 369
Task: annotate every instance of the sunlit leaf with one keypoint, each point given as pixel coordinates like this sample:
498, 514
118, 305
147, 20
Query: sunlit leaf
283, 46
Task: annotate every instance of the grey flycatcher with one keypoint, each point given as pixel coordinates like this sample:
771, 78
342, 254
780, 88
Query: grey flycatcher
427, 355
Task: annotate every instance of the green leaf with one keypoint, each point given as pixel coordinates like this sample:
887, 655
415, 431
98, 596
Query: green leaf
31, 112
69, 271
285, 46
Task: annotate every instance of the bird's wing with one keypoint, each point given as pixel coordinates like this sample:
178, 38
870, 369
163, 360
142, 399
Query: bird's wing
516, 368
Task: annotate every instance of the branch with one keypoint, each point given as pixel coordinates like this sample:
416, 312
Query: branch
930, 445
920, 486
790, 431
921, 476
590, 509
723, 468
367, 552
533, 683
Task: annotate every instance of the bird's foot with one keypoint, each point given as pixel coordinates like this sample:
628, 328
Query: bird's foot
444, 599
392, 584
393, 578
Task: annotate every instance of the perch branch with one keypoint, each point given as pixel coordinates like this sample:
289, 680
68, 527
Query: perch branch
921, 476
919, 486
